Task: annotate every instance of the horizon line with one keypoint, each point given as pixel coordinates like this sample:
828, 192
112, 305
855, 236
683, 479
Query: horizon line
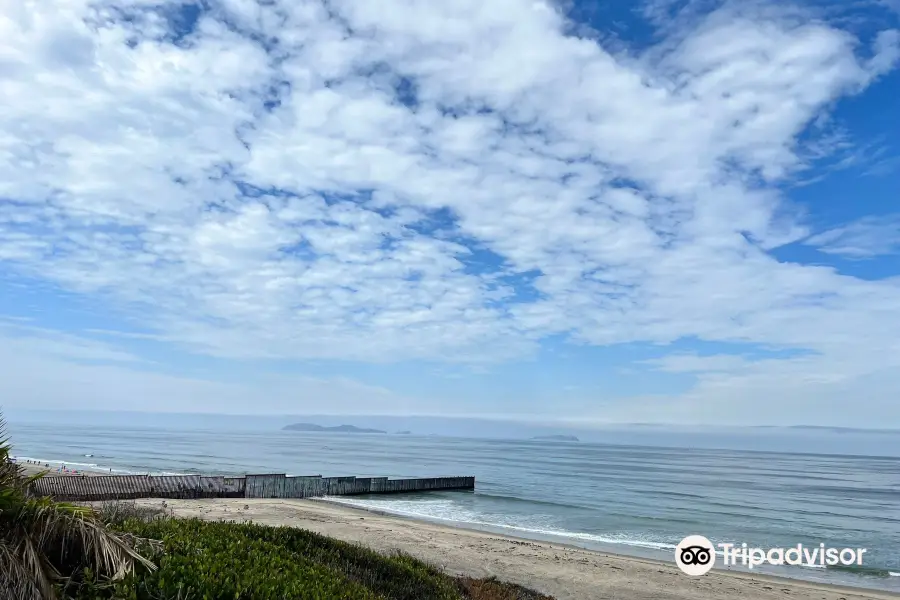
498, 418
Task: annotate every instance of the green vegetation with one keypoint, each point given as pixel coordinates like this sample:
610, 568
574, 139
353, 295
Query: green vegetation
59, 551
213, 560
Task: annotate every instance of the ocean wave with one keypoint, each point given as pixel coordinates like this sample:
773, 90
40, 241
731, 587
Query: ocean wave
448, 511
530, 501
863, 570
69, 463
440, 510
94, 467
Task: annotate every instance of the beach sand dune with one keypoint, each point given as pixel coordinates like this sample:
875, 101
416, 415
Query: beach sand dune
565, 572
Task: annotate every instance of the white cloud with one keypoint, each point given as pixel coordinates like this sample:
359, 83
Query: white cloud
641, 187
808, 391
20, 338
866, 238
63, 372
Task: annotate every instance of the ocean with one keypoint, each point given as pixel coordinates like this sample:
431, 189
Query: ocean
639, 492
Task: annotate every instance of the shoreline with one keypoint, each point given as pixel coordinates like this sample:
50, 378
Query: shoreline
33, 469
89, 469
604, 550
850, 582
647, 553
564, 571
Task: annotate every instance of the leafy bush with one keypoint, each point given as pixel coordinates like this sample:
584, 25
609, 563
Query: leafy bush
204, 560
213, 561
117, 512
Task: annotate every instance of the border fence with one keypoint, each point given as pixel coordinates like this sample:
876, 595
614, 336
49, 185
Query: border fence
279, 485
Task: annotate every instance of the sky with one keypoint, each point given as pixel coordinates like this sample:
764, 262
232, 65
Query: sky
670, 211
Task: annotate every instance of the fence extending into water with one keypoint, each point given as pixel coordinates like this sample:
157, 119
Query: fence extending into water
127, 487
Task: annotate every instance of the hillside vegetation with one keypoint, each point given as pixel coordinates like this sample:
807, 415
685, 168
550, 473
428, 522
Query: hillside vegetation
219, 560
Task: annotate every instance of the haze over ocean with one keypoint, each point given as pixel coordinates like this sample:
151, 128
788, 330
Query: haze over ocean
638, 493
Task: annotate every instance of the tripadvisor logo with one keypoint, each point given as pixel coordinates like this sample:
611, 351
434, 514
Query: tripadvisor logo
695, 555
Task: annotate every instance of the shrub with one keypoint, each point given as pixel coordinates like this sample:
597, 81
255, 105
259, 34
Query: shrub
205, 560
214, 561
117, 512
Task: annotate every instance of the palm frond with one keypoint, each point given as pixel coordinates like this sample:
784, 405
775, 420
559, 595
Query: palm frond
16, 582
70, 527
43, 542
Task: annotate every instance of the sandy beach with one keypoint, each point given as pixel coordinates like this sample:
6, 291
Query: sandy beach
34, 469
565, 572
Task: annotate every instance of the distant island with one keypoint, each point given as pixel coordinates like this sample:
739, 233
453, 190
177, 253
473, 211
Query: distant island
403, 433
336, 429
556, 438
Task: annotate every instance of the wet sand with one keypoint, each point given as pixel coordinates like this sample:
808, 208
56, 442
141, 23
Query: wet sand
568, 573
34, 469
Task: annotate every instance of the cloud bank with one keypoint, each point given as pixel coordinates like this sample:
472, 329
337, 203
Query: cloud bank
453, 182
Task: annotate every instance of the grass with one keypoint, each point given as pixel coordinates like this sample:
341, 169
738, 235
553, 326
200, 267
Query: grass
242, 561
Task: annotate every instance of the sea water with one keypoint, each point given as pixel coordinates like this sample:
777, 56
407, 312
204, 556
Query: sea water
638, 493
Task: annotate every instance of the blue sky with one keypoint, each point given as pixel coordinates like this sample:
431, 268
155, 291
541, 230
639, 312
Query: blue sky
680, 212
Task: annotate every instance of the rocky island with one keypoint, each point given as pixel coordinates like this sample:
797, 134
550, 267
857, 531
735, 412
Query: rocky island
556, 438
335, 429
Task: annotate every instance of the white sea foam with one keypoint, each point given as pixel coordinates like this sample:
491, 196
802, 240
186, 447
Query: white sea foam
58, 463
447, 511
82, 466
